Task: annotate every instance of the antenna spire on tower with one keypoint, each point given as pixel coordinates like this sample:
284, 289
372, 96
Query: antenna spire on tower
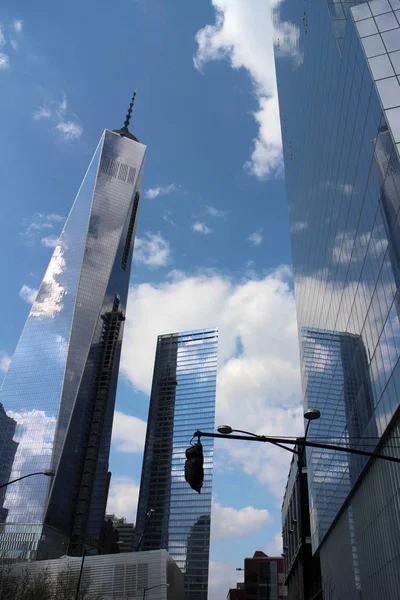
129, 114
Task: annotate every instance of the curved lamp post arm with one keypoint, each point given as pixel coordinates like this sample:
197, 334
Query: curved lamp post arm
296, 441
47, 473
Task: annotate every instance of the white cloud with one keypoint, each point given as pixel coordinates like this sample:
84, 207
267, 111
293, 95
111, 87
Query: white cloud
341, 188
215, 212
160, 190
350, 247
123, 497
168, 219
152, 250
41, 222
4, 61
274, 546
2, 37
244, 32
69, 130
201, 227
42, 113
34, 435
51, 292
28, 294
54, 217
18, 25
14, 44
128, 434
298, 226
49, 242
222, 577
258, 386
5, 360
229, 522
56, 112
255, 238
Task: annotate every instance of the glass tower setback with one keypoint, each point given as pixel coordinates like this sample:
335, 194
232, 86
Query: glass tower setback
59, 393
339, 96
182, 400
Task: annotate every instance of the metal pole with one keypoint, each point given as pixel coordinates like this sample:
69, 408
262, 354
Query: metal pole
19, 478
298, 441
80, 575
144, 593
300, 458
149, 515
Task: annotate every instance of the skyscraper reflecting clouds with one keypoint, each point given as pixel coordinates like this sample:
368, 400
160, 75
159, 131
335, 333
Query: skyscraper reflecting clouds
182, 400
339, 96
60, 387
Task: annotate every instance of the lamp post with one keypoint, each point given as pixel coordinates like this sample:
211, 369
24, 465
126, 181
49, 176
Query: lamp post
145, 590
225, 433
48, 473
150, 513
312, 414
81, 569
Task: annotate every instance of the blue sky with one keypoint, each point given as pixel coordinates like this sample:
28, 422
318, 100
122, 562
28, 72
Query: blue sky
213, 231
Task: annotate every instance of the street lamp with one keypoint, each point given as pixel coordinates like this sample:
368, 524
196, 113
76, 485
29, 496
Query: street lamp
150, 513
225, 432
85, 550
295, 446
312, 414
48, 473
145, 590
239, 569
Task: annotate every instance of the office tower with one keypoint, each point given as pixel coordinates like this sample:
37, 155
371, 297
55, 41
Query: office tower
182, 400
339, 100
124, 532
336, 381
61, 384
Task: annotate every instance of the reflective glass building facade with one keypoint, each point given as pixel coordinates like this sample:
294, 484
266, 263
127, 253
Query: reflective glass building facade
182, 400
339, 96
57, 399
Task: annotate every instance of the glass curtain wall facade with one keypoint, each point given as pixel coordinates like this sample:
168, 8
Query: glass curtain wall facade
182, 400
59, 392
339, 98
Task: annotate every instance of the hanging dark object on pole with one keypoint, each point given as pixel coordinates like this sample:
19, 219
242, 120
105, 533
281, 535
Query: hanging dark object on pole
194, 472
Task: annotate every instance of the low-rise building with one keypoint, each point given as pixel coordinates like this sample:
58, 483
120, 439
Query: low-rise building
153, 575
125, 531
263, 578
236, 594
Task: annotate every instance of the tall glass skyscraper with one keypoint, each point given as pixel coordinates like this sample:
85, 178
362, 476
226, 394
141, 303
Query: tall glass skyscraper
182, 400
337, 69
59, 392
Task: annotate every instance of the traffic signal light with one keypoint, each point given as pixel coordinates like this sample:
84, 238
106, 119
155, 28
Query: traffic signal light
194, 472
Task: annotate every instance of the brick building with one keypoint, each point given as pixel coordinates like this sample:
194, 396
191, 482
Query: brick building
263, 578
